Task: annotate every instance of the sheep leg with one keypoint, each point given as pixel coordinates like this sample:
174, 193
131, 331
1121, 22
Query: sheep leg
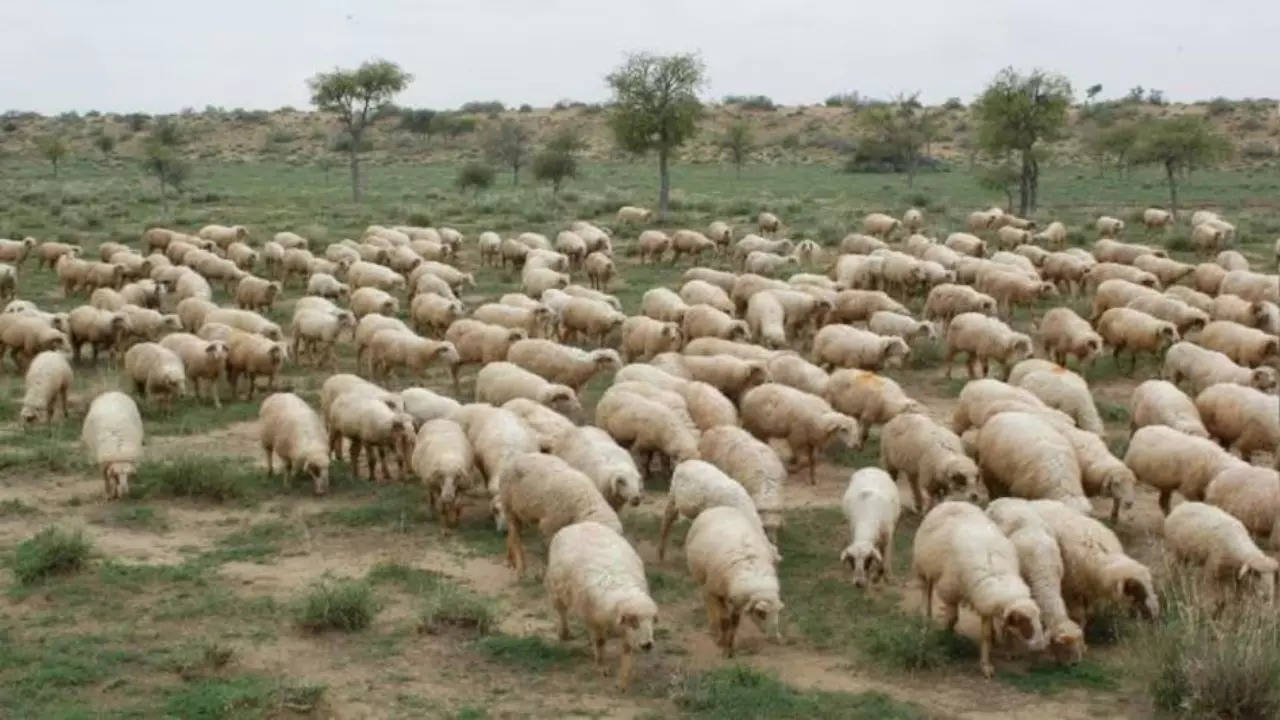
668, 518
713, 616
1165, 497
625, 664
267, 450
887, 563
62, 398
916, 494
597, 650
562, 612
729, 628
515, 548
813, 466
950, 615
988, 630
354, 448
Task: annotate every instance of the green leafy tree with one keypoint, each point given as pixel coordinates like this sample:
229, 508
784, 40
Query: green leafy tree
474, 177
1002, 178
1179, 144
738, 141
54, 149
105, 143
899, 132
1019, 114
356, 97
656, 108
1093, 91
418, 122
1114, 144
168, 167
558, 161
508, 145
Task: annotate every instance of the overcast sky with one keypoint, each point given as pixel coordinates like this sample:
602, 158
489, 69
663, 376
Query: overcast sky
161, 56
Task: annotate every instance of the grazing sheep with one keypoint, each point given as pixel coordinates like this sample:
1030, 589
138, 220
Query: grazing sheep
733, 564
984, 339
424, 405
1062, 390
478, 342
696, 486
1009, 237
1157, 402
913, 220
896, 324
252, 356
1106, 250
594, 572
292, 431
980, 400
432, 314
630, 214
443, 461
243, 320
644, 337
859, 244
1207, 277
1200, 368
807, 422
1205, 535
844, 346
1211, 235
931, 458
112, 434
946, 301
535, 281
871, 508
1184, 317
101, 329
1245, 346
1063, 333
1022, 455
1252, 495
1192, 297
498, 382
646, 427
594, 453
154, 369
663, 305
980, 220
766, 319
859, 305
586, 292
1135, 331
588, 319
691, 243
48, 381
1172, 461
1167, 271
536, 321
224, 235
201, 360
768, 222
316, 331
1014, 288
562, 364
696, 292
963, 557
719, 278
327, 286
392, 349
1252, 286
880, 225
370, 426
721, 233
1241, 418
728, 374
753, 464
789, 368
869, 398
1157, 219
600, 270
652, 245
966, 244
254, 293
720, 346
1101, 473
24, 336
1109, 227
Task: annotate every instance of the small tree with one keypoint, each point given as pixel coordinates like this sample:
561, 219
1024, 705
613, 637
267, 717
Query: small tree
508, 145
1018, 113
1117, 143
656, 107
54, 149
899, 131
356, 97
418, 122
1093, 91
105, 143
1179, 143
169, 169
558, 161
474, 177
738, 141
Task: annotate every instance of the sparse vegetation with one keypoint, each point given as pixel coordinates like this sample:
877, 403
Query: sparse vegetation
474, 177
52, 551
346, 605
736, 691
356, 97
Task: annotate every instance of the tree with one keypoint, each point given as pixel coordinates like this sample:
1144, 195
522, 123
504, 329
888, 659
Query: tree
1019, 113
558, 161
656, 108
164, 162
474, 177
1092, 91
54, 149
508, 145
738, 141
1114, 143
898, 132
356, 97
1001, 178
418, 122
1179, 143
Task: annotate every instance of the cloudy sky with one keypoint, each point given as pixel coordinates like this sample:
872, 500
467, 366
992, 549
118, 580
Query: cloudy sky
153, 56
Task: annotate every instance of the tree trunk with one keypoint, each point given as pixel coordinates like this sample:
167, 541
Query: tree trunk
355, 168
1035, 184
1173, 190
1024, 185
911, 171
664, 184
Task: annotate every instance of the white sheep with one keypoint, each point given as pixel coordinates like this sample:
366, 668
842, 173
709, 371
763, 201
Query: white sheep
1022, 455
733, 564
1158, 402
424, 405
1062, 390
706, 321
696, 486
47, 382
443, 461
646, 427
202, 360
1063, 333
547, 425
154, 369
753, 464
845, 346
1204, 535
562, 364
984, 339
870, 398
644, 337
597, 575
871, 507
807, 422
1252, 495
789, 368
291, 430
112, 433
594, 453
1127, 329
930, 457
1200, 368
1246, 346
371, 427
1242, 418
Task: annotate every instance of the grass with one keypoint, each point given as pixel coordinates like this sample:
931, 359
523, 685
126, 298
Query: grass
44, 449
257, 543
52, 551
446, 604
216, 479
329, 604
525, 654
143, 518
1048, 678
738, 692
244, 695
14, 508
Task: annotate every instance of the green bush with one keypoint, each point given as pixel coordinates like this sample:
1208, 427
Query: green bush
737, 692
474, 176
345, 605
52, 551
193, 476
450, 606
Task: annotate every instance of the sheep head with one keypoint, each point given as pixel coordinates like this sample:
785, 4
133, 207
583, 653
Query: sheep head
865, 561
837, 426
318, 470
1260, 575
1023, 616
635, 619
117, 476
1264, 379
765, 613
606, 359
624, 485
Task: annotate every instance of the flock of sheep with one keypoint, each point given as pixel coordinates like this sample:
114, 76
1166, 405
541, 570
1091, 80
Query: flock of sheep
722, 384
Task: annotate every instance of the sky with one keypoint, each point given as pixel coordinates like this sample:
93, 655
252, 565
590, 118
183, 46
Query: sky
161, 57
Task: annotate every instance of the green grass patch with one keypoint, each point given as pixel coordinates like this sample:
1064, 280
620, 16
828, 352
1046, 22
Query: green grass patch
332, 604
47, 449
52, 551
189, 416
452, 607
244, 695
257, 543
217, 479
738, 692
144, 518
400, 508
527, 654
1048, 678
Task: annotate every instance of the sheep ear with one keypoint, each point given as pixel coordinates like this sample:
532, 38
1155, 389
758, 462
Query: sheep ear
1244, 572
846, 557
629, 619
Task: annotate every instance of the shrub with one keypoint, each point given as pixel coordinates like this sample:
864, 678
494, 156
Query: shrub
953, 103
52, 551
526, 108
738, 691
527, 653
345, 605
750, 102
217, 479
482, 107
449, 606
474, 176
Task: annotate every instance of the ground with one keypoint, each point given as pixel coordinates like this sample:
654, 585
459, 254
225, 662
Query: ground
188, 603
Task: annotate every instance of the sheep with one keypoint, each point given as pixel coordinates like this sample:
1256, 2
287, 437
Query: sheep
252, 356
489, 243
931, 458
880, 225
1210, 236
600, 270
643, 337
585, 292
391, 349
1167, 271
754, 243
1172, 461
1014, 288
594, 453
589, 319
498, 382
190, 285
719, 278
966, 244
1040, 564
9, 282
244, 320
859, 272
49, 253
424, 405
1252, 495
47, 381
980, 220
15, 251
367, 327
1107, 250
1063, 333
766, 320
630, 214
720, 346
696, 486
1157, 219
1184, 317
1207, 277
883, 322
663, 305
1207, 536
453, 277
980, 400
695, 292
1127, 329
859, 244
645, 426
1009, 237
728, 374
546, 491
254, 293
562, 364
317, 331
1245, 346
860, 305
535, 322
691, 243
478, 342
535, 281
1095, 566
734, 566
1252, 286
342, 383
1200, 368
1242, 418
432, 314
368, 300
1104, 271
371, 427
361, 274
154, 369
103, 330
869, 398
224, 235
947, 300
1158, 402
871, 507
913, 220
1067, 271
112, 434
1101, 473
652, 245
594, 572
984, 339
807, 422
1021, 454
1062, 390
789, 368
443, 460
960, 554
753, 464
1234, 308
24, 336
721, 233
327, 286
498, 437
768, 222
201, 360
291, 430
1109, 227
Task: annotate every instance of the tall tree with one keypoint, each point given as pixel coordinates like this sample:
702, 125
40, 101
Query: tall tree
1019, 113
357, 97
54, 148
656, 107
508, 145
1178, 144
738, 141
